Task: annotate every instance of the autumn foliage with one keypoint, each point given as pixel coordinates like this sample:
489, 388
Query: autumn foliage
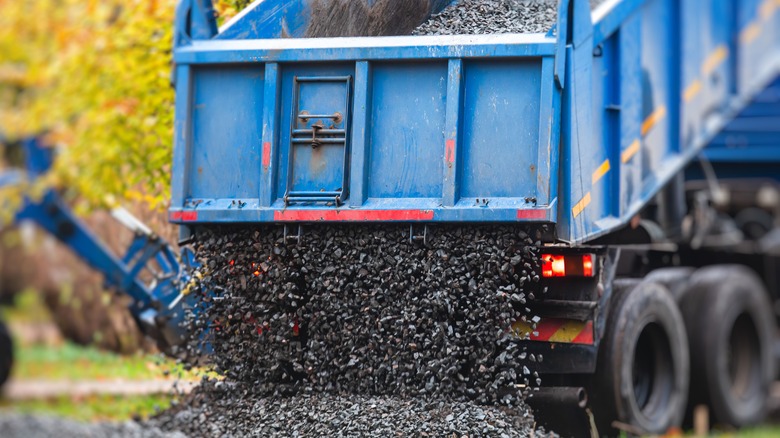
95, 75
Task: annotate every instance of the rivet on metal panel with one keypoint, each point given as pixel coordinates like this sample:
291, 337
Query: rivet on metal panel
303, 118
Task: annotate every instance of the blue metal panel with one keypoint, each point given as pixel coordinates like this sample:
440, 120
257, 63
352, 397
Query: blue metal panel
756, 24
631, 86
582, 126
500, 135
370, 49
407, 130
753, 136
707, 76
225, 159
319, 139
313, 169
360, 134
453, 133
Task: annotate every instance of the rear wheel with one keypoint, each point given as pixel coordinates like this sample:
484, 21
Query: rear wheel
730, 326
674, 279
642, 376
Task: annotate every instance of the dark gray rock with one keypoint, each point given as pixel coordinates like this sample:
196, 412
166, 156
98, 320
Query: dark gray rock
14, 425
469, 17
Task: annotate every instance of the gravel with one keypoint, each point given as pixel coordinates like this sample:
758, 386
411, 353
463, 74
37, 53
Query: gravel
13, 425
474, 17
220, 413
361, 309
355, 330
492, 16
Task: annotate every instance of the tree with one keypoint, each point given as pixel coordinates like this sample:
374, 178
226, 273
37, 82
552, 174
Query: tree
95, 75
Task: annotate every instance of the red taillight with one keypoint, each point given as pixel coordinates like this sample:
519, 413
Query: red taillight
568, 265
587, 265
553, 266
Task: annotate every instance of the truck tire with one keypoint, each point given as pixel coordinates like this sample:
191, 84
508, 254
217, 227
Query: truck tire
6, 353
730, 328
674, 279
642, 373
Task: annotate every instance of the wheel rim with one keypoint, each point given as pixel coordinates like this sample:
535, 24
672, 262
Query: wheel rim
653, 372
744, 359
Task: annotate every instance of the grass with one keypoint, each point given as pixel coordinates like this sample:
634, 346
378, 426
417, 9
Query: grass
72, 362
93, 408
69, 361
772, 431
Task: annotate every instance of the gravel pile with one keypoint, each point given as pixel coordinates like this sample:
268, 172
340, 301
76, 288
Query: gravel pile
469, 17
356, 331
14, 425
360, 309
479, 17
221, 413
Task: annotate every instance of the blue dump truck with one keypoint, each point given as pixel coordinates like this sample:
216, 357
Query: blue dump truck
638, 140
643, 133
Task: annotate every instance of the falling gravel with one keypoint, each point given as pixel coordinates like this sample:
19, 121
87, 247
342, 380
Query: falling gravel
356, 326
362, 309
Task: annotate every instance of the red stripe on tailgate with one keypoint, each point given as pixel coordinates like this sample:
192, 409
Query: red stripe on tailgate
184, 216
546, 328
353, 215
585, 336
532, 214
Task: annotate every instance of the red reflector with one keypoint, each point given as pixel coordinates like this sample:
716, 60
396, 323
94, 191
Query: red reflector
553, 265
587, 265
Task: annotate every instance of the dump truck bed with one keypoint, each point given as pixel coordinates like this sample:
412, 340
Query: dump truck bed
580, 127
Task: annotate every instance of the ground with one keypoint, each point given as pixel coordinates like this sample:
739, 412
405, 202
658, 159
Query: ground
57, 384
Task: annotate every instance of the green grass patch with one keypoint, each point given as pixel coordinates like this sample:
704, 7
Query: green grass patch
767, 431
93, 408
69, 361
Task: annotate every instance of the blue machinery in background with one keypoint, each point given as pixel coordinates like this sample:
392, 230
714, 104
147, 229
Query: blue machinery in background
580, 127
150, 272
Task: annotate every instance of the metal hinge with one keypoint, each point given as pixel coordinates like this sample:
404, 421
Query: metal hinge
416, 236
288, 236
